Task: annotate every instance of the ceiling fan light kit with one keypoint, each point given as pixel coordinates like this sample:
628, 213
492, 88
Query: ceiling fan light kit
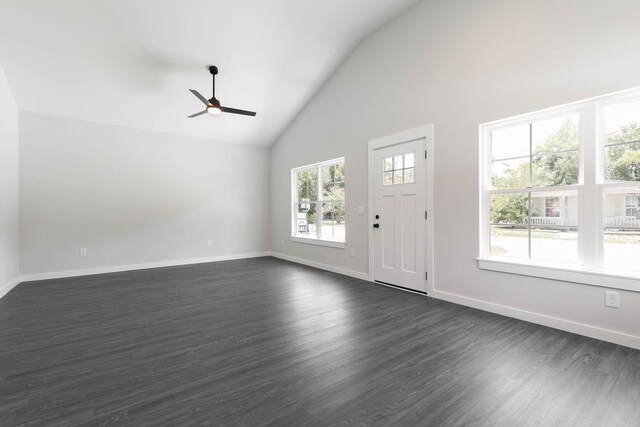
213, 105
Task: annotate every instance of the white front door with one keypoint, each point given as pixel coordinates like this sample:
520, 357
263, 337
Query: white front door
399, 215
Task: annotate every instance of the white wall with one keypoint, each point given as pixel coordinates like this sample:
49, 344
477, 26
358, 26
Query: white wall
134, 197
457, 65
9, 241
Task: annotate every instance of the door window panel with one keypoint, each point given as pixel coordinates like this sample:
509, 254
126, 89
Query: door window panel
398, 169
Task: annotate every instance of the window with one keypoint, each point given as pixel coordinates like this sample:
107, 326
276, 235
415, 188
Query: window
561, 189
533, 163
319, 203
552, 207
631, 206
399, 169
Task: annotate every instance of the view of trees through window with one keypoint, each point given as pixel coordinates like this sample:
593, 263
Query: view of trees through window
554, 162
622, 145
527, 223
623, 154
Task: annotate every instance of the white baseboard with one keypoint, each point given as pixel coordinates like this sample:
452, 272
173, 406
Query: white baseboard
339, 270
4, 289
129, 267
543, 319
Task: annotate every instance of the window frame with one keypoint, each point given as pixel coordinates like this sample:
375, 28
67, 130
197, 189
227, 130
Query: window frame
590, 192
320, 200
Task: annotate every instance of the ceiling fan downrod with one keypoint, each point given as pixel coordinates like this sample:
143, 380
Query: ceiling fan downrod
213, 70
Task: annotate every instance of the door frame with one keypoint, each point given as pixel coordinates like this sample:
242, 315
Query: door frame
425, 132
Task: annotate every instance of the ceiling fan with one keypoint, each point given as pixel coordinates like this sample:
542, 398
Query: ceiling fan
213, 105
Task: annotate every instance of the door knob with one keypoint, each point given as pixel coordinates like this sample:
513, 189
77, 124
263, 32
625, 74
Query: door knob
376, 225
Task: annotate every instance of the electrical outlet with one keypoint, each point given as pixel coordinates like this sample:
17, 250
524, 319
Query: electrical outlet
209, 243
612, 299
360, 210
353, 252
83, 251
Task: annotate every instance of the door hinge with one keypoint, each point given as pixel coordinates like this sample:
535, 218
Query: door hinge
426, 215
426, 275
425, 154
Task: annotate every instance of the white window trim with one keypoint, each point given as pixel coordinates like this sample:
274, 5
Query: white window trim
590, 270
329, 243
294, 200
562, 272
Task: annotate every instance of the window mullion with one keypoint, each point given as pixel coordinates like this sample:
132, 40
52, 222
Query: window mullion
319, 203
529, 222
590, 202
485, 187
531, 155
294, 199
598, 190
530, 186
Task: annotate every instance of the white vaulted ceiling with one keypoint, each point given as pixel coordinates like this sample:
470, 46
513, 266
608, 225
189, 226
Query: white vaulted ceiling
130, 62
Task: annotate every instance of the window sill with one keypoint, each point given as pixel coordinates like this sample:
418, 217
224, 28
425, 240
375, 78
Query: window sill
565, 273
329, 243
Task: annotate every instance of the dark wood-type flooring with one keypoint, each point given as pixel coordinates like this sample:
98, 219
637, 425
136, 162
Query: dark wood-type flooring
267, 342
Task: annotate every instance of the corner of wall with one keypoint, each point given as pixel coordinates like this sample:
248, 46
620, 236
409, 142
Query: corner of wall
9, 188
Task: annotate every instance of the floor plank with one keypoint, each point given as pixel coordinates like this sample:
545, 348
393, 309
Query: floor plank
268, 342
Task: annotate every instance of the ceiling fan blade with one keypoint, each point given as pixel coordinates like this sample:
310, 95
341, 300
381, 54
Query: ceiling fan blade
197, 114
236, 111
200, 97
